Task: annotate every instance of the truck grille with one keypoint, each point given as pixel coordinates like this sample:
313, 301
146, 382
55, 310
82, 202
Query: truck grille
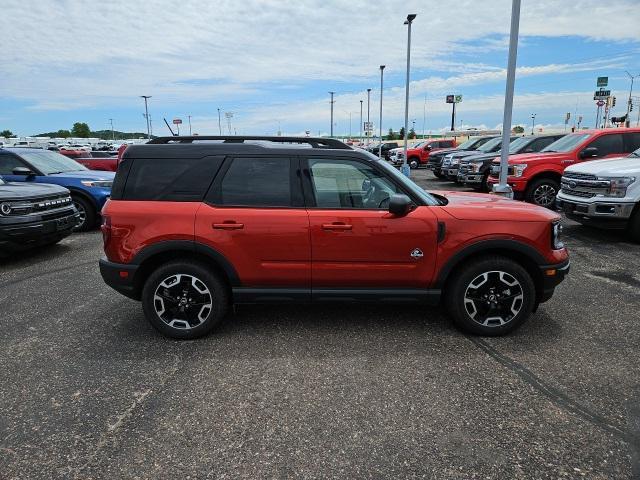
579, 176
35, 205
583, 185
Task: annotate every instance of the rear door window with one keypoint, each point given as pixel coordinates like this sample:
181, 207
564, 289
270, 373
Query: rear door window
631, 142
608, 144
170, 179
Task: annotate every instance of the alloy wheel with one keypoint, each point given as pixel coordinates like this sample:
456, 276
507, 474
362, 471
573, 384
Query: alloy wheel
182, 301
82, 215
544, 195
493, 298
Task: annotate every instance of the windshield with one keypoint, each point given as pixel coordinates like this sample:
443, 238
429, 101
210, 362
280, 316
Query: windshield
490, 145
469, 143
405, 181
566, 144
518, 144
49, 162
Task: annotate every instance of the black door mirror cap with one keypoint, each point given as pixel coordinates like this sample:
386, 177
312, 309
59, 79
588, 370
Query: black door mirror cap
589, 152
23, 171
400, 205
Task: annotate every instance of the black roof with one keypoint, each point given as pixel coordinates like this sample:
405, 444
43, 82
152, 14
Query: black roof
199, 146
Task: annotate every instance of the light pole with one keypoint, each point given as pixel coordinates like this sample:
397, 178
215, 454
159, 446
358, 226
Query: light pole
219, 123
381, 87
361, 102
533, 123
368, 131
113, 135
405, 167
503, 188
189, 116
331, 102
424, 118
146, 114
628, 121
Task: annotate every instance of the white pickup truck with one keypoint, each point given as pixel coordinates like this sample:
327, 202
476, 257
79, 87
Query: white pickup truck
603, 193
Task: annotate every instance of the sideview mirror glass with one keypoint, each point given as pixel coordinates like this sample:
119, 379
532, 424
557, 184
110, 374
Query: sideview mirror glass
589, 152
399, 205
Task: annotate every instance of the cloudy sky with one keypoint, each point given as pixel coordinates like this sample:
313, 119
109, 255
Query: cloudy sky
272, 62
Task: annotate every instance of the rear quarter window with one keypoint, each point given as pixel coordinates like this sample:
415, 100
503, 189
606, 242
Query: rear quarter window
165, 179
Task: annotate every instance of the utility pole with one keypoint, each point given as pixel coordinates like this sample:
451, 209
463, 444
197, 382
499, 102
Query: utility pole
361, 101
453, 115
424, 118
381, 88
331, 102
368, 131
146, 115
219, 123
533, 123
189, 116
113, 135
628, 121
405, 167
503, 188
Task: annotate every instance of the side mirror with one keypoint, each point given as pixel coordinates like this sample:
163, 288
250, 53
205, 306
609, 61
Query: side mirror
399, 205
428, 147
23, 171
589, 152
528, 150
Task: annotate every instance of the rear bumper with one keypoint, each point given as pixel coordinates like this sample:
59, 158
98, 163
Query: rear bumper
552, 276
120, 277
20, 233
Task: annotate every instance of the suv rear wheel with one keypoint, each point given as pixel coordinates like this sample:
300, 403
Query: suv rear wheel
491, 296
543, 192
184, 300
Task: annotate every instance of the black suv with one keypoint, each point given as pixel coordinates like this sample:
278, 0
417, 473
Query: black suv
33, 215
386, 148
435, 159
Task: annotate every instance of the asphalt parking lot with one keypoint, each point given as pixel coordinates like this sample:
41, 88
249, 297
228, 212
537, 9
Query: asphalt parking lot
90, 390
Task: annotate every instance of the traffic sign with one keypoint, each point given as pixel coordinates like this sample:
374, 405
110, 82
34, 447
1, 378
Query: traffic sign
600, 103
600, 94
450, 98
602, 82
368, 126
458, 98
177, 121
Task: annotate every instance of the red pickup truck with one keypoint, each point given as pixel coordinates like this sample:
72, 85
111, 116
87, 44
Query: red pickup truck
96, 160
535, 177
419, 154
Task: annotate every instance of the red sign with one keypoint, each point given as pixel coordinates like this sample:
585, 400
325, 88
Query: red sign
600, 103
177, 121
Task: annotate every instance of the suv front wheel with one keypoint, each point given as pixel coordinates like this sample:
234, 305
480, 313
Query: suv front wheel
184, 300
491, 296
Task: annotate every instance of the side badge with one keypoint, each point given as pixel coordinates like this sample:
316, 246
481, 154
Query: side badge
416, 253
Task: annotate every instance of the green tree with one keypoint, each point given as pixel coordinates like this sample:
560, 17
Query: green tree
80, 130
62, 134
6, 133
518, 129
401, 134
391, 135
412, 134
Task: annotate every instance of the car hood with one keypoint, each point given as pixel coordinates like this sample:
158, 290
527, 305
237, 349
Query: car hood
86, 175
609, 167
482, 206
24, 190
539, 156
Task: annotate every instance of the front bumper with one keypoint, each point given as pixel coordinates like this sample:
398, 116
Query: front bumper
607, 214
23, 232
517, 185
470, 178
552, 276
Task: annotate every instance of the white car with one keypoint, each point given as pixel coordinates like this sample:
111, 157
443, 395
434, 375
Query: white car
603, 193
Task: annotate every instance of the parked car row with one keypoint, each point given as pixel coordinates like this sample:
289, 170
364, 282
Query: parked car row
559, 171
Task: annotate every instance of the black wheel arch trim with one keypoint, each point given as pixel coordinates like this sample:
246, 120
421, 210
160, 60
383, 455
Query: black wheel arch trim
484, 246
192, 247
85, 196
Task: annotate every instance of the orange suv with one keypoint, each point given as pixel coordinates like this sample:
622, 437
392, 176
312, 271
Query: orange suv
197, 224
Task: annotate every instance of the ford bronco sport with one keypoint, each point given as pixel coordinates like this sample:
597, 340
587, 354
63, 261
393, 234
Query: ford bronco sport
197, 224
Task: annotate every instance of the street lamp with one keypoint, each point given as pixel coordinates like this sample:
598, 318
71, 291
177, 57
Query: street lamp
331, 93
219, 123
146, 114
381, 87
533, 123
410, 18
628, 121
113, 135
361, 101
189, 116
368, 131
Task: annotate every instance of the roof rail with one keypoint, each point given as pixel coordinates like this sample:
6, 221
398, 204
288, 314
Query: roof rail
314, 142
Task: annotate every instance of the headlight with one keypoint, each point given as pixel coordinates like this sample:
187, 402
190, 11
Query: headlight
618, 186
474, 167
97, 183
519, 169
556, 230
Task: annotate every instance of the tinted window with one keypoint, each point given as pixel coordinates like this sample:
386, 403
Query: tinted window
568, 143
446, 144
349, 184
8, 163
541, 143
632, 142
170, 179
608, 144
257, 182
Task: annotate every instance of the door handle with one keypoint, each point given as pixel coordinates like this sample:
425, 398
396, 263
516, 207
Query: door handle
228, 226
336, 226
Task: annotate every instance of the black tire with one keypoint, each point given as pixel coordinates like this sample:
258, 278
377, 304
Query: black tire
542, 192
634, 225
414, 162
484, 186
438, 174
473, 300
175, 280
88, 214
